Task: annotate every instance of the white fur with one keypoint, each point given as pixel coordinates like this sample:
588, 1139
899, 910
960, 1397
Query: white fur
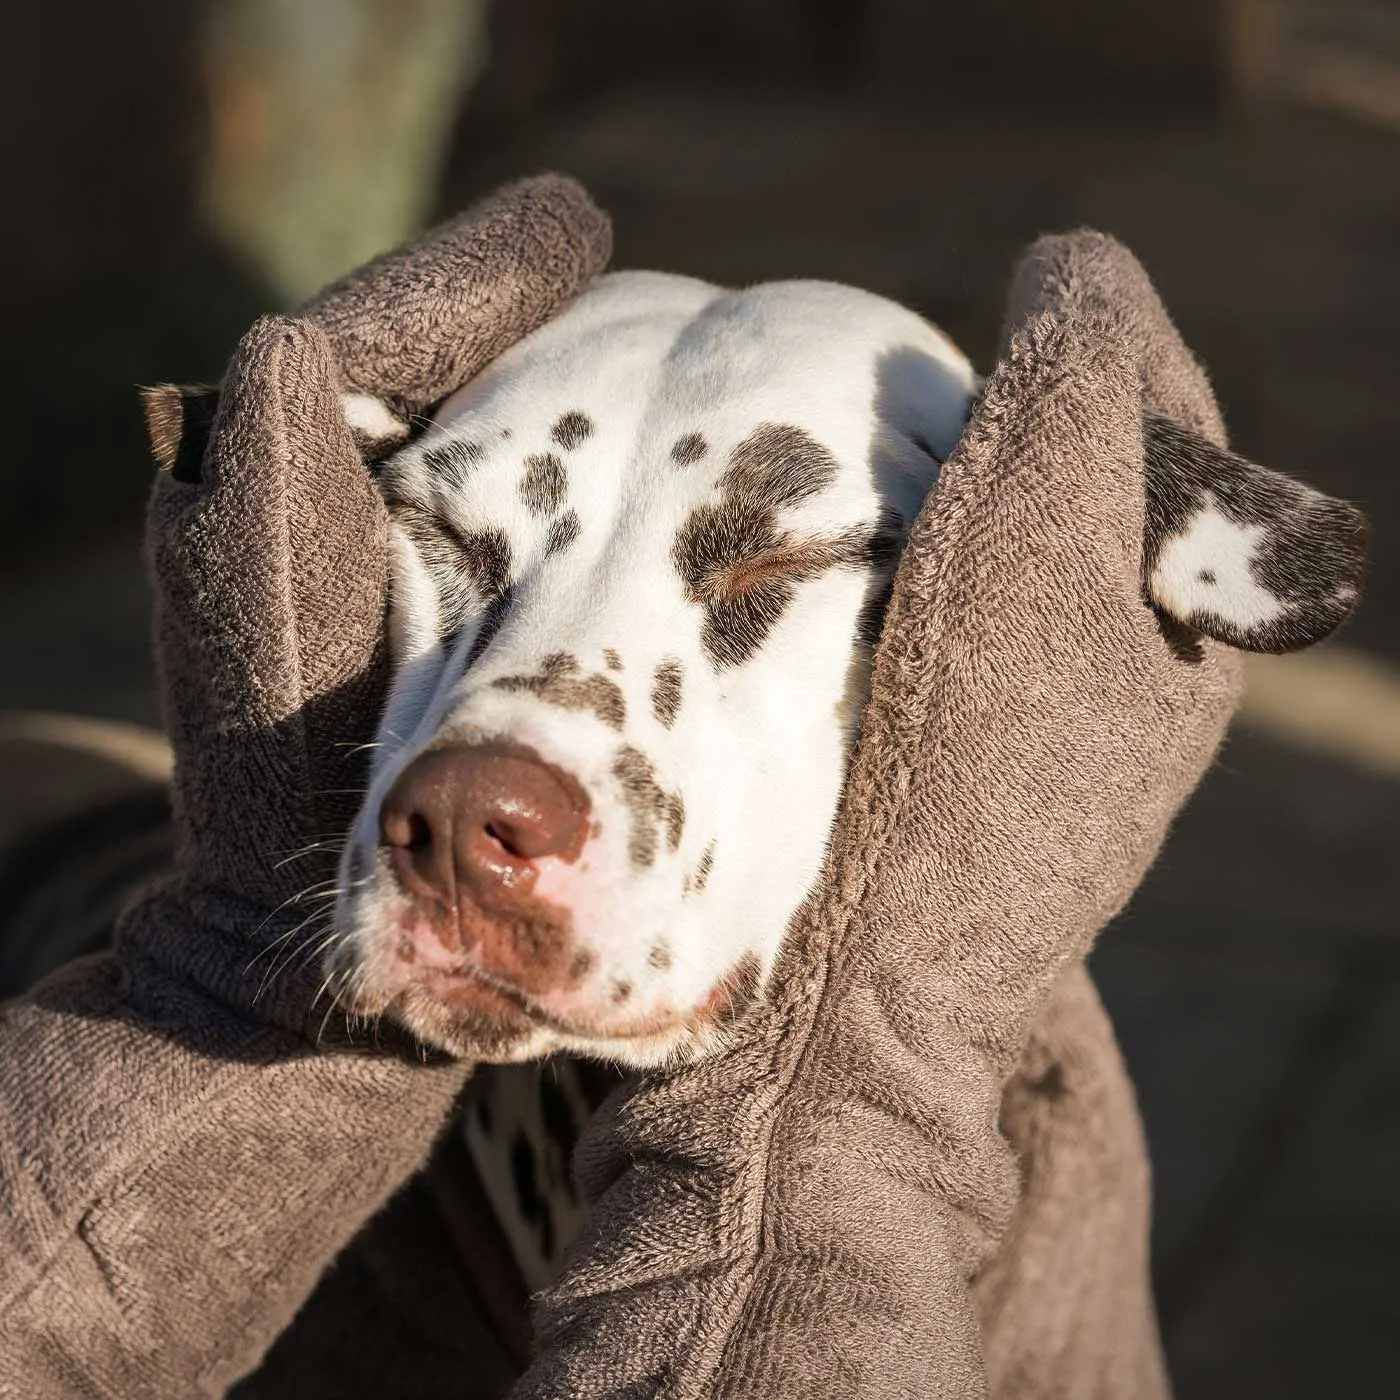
1222, 549
366, 414
758, 750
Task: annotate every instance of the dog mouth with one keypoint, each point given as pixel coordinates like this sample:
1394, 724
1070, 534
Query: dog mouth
475, 989
455, 1002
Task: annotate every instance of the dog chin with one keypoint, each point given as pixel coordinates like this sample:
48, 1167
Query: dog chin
472, 1021
501, 1036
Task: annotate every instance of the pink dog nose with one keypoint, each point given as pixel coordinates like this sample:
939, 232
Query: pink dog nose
475, 818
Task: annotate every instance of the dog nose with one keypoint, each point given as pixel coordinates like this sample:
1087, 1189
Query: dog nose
479, 816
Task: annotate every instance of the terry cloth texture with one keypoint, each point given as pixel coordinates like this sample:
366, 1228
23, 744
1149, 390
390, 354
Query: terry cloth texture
920, 1171
178, 1163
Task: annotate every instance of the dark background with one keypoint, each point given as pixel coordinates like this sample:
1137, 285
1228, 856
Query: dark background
1248, 151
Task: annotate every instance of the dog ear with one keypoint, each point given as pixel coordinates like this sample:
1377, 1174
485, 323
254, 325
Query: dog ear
378, 427
179, 418
1246, 555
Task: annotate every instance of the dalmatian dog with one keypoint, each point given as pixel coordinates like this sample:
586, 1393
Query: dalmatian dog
639, 566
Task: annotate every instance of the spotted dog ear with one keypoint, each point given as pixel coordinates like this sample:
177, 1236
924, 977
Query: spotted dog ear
378, 428
1246, 555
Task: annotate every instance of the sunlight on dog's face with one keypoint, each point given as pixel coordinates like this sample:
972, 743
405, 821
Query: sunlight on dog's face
639, 564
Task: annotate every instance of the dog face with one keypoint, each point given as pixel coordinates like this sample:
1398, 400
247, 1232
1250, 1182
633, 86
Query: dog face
638, 567
639, 564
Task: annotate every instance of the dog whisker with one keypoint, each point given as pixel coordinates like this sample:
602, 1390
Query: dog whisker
288, 951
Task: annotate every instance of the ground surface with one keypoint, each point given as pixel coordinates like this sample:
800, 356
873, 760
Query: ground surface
1255, 981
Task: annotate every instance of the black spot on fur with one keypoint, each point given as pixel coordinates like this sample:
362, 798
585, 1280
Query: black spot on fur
1182, 641
543, 484
883, 544
871, 620
688, 450
452, 462
1206, 576
562, 533
883, 547
572, 430
666, 691
487, 556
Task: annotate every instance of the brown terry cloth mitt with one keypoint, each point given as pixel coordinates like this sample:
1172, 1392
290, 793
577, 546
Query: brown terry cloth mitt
837, 1206
176, 1164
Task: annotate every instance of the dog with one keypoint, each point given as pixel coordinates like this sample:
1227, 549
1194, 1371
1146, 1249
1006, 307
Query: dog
639, 565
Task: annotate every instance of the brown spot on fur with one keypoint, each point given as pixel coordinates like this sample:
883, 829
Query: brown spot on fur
580, 965
660, 956
469, 570
713, 542
543, 484
491, 621
734, 561
453, 461
688, 450
572, 430
613, 658
649, 806
735, 564
666, 691
707, 864
486, 554
562, 533
559, 683
778, 465
674, 814
621, 992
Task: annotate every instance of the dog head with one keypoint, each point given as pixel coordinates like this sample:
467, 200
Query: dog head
639, 565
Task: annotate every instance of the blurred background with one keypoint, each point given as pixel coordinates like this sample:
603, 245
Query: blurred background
181, 167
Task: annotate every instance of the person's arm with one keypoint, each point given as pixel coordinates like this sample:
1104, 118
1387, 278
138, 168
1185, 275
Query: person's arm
180, 1153
835, 1206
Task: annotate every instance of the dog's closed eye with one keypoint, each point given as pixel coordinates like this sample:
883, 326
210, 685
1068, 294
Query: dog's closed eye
792, 561
795, 560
